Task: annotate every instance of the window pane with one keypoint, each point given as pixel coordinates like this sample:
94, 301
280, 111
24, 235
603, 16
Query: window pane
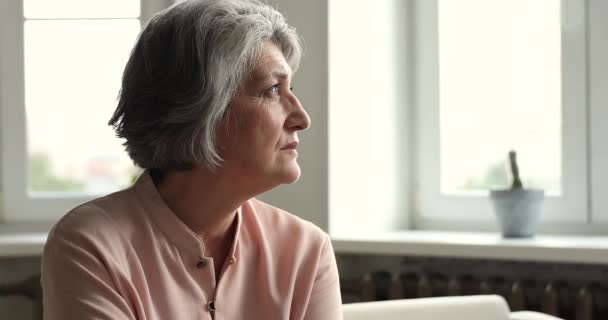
52, 9
500, 89
72, 78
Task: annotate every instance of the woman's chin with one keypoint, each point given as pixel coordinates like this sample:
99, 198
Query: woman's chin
292, 174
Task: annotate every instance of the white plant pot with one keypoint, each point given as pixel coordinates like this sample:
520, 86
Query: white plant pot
517, 211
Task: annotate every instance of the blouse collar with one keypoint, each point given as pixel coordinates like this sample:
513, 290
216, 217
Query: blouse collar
170, 225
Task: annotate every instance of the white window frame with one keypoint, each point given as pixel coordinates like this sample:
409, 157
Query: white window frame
598, 110
18, 206
435, 210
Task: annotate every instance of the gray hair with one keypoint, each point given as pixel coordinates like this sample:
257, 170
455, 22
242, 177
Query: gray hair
186, 66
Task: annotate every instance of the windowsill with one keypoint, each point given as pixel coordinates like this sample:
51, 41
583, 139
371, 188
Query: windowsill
27, 240
481, 245
22, 240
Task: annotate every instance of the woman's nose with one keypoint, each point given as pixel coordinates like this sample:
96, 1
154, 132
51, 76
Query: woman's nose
298, 118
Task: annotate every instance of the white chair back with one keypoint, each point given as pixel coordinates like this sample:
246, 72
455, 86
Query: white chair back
480, 307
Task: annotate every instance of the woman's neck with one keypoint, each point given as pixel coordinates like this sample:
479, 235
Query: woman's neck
203, 201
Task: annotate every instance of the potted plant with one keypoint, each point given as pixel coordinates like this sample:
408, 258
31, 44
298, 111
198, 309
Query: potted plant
517, 209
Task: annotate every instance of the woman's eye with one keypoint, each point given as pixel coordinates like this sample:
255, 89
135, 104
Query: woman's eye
274, 90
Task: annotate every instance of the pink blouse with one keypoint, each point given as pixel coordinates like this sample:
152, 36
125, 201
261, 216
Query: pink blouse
127, 256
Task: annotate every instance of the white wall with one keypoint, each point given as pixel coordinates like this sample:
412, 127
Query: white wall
369, 108
308, 197
358, 50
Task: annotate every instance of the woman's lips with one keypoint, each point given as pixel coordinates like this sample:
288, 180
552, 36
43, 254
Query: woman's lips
290, 146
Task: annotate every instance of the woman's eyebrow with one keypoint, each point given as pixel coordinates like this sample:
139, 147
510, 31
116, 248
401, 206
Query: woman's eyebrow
278, 73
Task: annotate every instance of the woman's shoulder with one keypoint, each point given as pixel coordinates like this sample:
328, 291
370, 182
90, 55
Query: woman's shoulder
282, 223
285, 240
98, 222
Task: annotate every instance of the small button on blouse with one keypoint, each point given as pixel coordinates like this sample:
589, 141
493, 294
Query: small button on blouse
211, 306
201, 263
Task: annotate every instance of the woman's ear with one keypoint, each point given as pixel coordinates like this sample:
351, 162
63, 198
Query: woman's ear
226, 129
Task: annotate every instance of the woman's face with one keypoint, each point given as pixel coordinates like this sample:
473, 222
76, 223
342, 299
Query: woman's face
259, 135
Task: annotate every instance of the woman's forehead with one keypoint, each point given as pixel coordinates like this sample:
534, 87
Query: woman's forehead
271, 64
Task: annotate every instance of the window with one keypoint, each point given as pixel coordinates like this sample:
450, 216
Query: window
502, 80
61, 65
427, 99
499, 75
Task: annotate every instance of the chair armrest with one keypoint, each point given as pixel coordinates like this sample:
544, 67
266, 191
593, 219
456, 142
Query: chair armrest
482, 307
531, 315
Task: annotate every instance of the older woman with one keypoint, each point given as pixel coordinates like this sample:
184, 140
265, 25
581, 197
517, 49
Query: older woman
207, 109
